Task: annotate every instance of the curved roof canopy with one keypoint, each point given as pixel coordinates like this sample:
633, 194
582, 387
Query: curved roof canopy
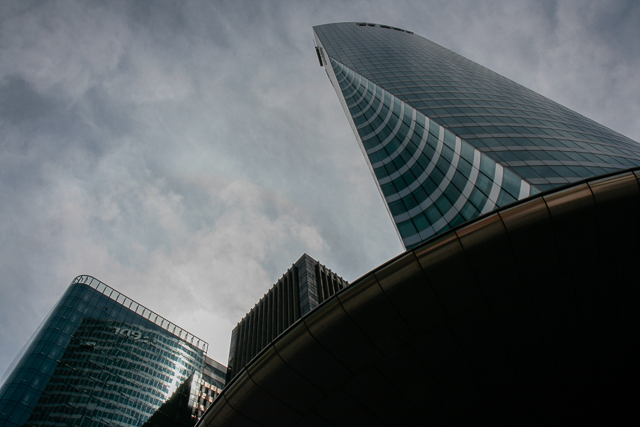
526, 315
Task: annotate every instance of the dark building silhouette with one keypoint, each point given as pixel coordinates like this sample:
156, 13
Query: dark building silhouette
175, 412
300, 290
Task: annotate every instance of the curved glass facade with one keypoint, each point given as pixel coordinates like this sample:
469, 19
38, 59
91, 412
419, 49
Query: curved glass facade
447, 139
101, 359
431, 179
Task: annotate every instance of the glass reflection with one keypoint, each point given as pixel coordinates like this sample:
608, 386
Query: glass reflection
103, 360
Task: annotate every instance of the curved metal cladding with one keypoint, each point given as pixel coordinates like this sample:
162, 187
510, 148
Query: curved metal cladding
101, 359
448, 139
525, 316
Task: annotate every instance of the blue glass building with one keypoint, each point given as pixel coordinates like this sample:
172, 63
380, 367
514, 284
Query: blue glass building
102, 359
447, 139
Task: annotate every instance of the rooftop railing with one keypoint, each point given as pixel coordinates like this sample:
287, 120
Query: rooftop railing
141, 310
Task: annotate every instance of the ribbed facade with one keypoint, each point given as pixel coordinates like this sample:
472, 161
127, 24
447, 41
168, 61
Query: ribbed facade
301, 289
447, 139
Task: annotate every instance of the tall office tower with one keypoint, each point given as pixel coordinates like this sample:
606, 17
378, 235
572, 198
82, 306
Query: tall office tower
526, 315
102, 359
300, 290
447, 139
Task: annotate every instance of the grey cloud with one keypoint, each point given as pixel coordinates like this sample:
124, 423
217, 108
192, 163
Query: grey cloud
174, 149
19, 101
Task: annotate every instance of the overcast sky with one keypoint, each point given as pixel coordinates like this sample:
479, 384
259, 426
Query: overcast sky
188, 152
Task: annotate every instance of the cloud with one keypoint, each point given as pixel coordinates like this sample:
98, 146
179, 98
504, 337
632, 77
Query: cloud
188, 152
62, 47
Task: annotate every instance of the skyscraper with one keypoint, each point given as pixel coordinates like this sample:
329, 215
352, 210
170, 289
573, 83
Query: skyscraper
502, 311
300, 290
447, 139
102, 359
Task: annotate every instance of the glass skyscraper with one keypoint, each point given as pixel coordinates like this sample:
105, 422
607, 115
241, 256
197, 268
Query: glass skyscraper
448, 140
102, 359
516, 301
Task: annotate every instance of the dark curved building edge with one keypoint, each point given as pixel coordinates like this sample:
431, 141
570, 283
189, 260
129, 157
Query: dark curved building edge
526, 315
